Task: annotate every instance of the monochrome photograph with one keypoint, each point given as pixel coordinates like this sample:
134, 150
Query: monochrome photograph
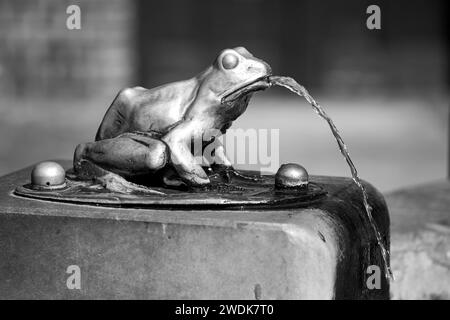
224, 156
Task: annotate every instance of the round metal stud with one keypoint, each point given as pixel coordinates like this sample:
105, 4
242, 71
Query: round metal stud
48, 175
291, 175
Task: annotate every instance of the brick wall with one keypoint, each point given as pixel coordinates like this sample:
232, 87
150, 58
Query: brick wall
40, 57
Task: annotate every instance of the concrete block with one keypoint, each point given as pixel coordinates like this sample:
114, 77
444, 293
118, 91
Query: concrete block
320, 251
421, 241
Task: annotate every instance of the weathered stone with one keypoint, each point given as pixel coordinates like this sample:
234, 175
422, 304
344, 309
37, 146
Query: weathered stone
321, 251
420, 231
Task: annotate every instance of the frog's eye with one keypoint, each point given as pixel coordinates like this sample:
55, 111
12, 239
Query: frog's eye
230, 61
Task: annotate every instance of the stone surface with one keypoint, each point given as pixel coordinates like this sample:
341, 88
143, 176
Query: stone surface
320, 251
420, 251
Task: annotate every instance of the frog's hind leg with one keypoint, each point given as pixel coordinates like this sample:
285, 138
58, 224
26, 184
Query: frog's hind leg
87, 170
109, 161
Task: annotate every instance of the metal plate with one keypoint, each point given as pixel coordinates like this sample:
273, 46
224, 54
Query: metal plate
240, 193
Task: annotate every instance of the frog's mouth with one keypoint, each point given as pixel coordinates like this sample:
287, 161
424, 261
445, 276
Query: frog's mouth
258, 84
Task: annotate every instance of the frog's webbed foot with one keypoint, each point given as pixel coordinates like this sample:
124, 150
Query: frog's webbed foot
87, 170
254, 178
115, 183
228, 172
172, 179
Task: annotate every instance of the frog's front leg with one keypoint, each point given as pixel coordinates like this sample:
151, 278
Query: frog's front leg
178, 139
222, 166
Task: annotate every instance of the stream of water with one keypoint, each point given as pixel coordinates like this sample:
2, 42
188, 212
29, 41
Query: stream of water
293, 86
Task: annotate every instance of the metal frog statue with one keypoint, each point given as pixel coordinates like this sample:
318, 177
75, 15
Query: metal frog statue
143, 150
146, 131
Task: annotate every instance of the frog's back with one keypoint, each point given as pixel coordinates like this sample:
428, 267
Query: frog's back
140, 109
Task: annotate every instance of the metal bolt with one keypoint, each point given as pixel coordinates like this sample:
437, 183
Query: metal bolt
291, 175
48, 175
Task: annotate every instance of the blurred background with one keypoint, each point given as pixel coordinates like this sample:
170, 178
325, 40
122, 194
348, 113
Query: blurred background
387, 89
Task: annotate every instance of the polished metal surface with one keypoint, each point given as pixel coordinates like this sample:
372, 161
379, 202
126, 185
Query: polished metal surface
291, 175
151, 130
238, 193
48, 175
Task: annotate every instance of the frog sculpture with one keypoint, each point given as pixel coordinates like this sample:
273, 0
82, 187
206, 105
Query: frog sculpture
149, 131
